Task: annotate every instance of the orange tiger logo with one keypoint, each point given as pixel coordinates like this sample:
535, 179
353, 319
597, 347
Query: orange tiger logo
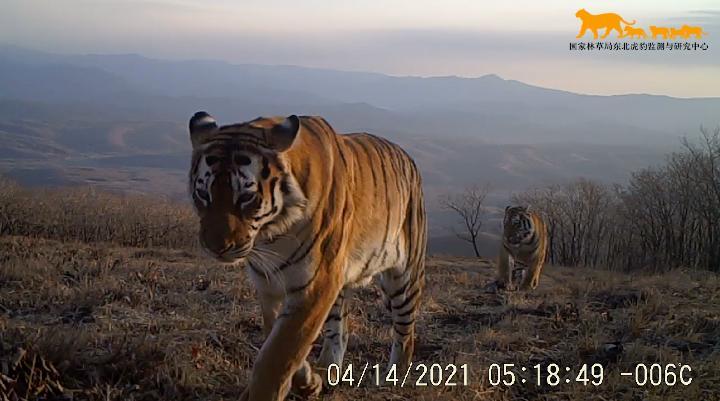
609, 21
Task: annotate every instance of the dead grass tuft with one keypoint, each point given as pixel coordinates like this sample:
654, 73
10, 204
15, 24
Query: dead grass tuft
99, 322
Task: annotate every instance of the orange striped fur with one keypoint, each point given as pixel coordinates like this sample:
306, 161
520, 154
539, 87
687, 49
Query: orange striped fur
312, 214
525, 241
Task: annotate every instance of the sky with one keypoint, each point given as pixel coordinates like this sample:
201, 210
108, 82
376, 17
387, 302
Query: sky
526, 40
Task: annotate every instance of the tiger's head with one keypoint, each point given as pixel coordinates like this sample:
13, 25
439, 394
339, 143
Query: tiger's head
582, 13
517, 225
240, 183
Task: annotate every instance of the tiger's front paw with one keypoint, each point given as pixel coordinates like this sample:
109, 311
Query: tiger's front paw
527, 287
309, 389
502, 285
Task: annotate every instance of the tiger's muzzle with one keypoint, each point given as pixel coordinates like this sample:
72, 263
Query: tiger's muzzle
227, 246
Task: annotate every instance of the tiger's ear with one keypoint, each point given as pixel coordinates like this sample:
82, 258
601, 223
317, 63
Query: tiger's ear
507, 208
202, 125
282, 135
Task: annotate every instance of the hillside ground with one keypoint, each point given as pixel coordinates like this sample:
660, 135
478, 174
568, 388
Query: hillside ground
93, 322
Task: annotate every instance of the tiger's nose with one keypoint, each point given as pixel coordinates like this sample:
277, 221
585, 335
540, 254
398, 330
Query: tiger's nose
219, 248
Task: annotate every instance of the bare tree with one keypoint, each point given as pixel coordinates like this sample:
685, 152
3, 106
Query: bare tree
469, 207
664, 217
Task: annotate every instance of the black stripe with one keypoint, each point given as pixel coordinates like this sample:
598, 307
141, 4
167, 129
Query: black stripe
265, 172
285, 186
273, 182
291, 260
367, 264
340, 150
195, 165
411, 244
241, 160
362, 144
251, 148
532, 240
306, 285
400, 291
332, 336
332, 317
203, 194
405, 323
269, 213
408, 299
351, 145
215, 147
387, 198
400, 332
406, 313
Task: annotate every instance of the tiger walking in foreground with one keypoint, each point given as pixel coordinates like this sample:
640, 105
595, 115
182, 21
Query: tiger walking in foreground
524, 240
311, 214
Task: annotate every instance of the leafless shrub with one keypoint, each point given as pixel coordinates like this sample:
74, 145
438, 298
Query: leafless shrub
468, 205
665, 217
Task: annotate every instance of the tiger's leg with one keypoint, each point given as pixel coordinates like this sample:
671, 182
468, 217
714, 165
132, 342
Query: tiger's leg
506, 264
620, 31
270, 306
403, 287
607, 32
335, 332
583, 29
295, 329
532, 276
303, 381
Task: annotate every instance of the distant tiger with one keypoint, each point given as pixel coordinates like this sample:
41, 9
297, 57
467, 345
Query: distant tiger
524, 241
311, 214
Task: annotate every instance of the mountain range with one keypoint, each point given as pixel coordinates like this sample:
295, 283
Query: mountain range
118, 121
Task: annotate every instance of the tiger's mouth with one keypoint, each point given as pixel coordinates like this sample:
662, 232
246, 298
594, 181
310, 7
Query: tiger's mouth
518, 238
230, 259
231, 254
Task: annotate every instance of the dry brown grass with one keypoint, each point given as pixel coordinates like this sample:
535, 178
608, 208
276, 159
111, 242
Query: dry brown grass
89, 215
95, 322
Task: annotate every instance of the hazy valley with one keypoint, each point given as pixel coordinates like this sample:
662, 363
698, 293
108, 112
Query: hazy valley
119, 122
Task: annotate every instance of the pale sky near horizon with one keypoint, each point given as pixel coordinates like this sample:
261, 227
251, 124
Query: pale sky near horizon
525, 40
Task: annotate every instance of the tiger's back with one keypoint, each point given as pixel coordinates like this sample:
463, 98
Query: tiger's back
390, 228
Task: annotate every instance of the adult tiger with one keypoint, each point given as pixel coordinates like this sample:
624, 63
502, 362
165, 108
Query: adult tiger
524, 240
312, 214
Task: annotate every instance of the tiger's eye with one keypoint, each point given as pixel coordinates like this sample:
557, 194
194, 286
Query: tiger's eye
203, 194
241, 160
246, 197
